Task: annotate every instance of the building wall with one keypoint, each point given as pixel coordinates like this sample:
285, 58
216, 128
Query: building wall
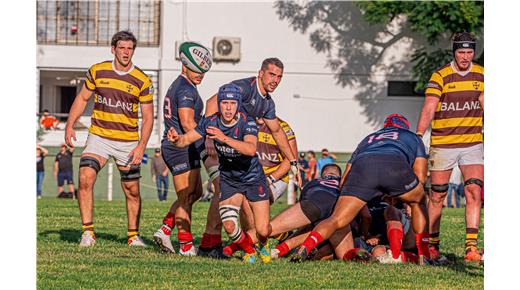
338, 122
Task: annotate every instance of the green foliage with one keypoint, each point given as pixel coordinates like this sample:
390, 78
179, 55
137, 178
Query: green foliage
435, 20
40, 131
111, 264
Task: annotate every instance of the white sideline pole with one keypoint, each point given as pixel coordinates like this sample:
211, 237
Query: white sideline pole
290, 190
110, 174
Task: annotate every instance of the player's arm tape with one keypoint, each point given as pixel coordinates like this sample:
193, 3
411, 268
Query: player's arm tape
271, 179
294, 166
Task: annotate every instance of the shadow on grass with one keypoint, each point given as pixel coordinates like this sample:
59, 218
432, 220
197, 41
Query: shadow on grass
74, 236
458, 264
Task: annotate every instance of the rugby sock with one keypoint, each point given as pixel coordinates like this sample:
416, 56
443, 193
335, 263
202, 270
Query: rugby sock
312, 241
409, 257
231, 248
421, 241
352, 254
216, 240
185, 240
205, 242
169, 220
88, 227
132, 233
283, 249
395, 239
245, 244
471, 238
434, 240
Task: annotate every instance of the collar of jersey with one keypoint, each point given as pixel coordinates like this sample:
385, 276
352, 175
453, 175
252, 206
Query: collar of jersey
461, 73
121, 73
186, 78
230, 125
258, 89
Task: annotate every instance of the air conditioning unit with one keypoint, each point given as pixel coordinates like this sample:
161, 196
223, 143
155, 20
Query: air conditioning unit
226, 48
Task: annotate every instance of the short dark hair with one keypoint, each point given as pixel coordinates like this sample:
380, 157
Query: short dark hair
311, 153
272, 60
45, 111
123, 35
464, 36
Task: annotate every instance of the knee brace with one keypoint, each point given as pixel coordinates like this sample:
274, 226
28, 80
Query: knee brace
91, 162
440, 187
474, 181
213, 173
231, 213
134, 173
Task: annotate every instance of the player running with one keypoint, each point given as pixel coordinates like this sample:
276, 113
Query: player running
235, 136
392, 160
256, 102
119, 88
455, 102
182, 111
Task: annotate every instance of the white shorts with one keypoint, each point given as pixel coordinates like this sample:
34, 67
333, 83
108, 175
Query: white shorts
446, 158
278, 189
107, 148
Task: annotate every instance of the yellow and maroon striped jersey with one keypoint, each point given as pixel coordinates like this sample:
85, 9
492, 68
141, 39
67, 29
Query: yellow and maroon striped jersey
116, 100
457, 122
268, 152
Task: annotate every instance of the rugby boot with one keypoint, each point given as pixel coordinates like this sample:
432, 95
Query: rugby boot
299, 256
189, 253
250, 258
136, 241
88, 239
472, 255
163, 241
263, 251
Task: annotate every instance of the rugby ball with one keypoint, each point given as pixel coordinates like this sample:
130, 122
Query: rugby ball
195, 57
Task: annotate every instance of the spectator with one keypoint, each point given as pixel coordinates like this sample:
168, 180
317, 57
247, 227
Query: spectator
63, 171
41, 153
453, 187
326, 158
313, 171
304, 168
48, 122
160, 175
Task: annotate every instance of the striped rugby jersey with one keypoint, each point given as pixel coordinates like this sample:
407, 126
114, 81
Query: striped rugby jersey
116, 100
268, 151
457, 122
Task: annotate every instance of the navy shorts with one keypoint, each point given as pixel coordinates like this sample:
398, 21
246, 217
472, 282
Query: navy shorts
66, 175
318, 206
253, 192
372, 174
180, 160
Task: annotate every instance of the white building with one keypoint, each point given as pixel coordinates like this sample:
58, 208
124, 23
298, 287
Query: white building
322, 112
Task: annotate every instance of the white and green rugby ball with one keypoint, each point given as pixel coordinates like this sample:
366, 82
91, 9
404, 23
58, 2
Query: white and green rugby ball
195, 57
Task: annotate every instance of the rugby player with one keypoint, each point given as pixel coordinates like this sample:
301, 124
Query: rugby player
256, 103
119, 88
182, 110
235, 136
455, 102
392, 160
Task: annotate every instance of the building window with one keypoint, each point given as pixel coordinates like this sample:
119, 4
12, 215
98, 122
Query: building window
94, 22
403, 89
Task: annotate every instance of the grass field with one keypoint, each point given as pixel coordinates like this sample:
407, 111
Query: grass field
61, 264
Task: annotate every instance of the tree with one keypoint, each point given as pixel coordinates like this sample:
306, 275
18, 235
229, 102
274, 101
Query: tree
355, 50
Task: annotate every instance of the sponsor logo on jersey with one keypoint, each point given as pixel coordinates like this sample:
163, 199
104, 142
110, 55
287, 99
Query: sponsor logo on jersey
180, 167
434, 86
476, 85
273, 157
458, 106
227, 151
114, 104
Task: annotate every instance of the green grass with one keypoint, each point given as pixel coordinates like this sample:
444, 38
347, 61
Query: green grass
61, 264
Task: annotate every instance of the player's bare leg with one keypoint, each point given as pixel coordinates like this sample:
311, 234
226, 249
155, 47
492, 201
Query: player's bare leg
295, 240
289, 219
416, 199
186, 185
262, 227
87, 179
133, 208
472, 192
439, 181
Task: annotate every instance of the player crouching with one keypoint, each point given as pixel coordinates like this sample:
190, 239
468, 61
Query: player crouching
235, 136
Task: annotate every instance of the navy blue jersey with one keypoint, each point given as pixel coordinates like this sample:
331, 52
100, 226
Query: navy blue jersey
329, 185
181, 94
253, 103
233, 164
392, 141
